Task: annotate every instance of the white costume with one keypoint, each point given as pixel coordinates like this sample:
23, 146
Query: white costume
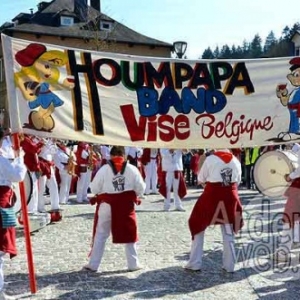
151, 173
132, 154
215, 171
290, 232
61, 158
105, 182
105, 152
47, 152
7, 148
171, 162
84, 177
10, 172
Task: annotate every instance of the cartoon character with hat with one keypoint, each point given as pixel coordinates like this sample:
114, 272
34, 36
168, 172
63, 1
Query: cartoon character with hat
37, 79
291, 100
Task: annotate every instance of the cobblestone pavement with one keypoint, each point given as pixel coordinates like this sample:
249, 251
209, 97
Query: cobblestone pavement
61, 249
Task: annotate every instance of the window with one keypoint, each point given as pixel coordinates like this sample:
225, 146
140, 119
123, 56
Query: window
297, 51
66, 21
105, 25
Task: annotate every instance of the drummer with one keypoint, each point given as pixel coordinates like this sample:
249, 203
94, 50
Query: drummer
291, 216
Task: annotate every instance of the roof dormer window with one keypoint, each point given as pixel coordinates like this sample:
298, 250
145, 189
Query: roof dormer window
66, 21
104, 25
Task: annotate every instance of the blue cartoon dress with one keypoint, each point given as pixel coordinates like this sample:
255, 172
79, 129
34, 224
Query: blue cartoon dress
45, 98
294, 110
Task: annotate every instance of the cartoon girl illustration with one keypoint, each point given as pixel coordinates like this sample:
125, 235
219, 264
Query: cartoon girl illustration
37, 79
291, 100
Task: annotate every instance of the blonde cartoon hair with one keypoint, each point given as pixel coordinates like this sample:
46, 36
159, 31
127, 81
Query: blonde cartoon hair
55, 58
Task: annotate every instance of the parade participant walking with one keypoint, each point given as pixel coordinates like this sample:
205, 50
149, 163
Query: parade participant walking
218, 204
132, 154
9, 172
105, 154
172, 178
84, 171
48, 177
32, 148
116, 185
62, 158
291, 216
149, 159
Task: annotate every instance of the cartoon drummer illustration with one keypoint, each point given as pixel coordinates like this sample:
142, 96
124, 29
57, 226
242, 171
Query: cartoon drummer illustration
38, 78
291, 100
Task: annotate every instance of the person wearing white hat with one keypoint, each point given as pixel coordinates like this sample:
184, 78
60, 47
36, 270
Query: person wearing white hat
291, 215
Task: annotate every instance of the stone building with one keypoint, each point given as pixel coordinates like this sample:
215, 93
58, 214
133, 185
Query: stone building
78, 24
296, 41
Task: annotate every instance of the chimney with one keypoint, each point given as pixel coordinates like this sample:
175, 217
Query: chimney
96, 4
81, 9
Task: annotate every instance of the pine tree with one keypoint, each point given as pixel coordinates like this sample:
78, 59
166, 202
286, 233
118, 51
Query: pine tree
225, 52
256, 47
270, 42
217, 52
208, 54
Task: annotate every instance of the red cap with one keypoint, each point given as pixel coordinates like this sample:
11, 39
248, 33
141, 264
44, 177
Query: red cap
30, 54
295, 62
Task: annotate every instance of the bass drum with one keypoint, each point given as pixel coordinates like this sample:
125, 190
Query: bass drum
269, 171
28, 192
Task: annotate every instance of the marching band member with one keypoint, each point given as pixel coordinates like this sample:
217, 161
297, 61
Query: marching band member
132, 154
10, 172
291, 216
218, 204
64, 161
48, 177
84, 171
32, 148
105, 154
116, 185
7, 147
149, 159
172, 178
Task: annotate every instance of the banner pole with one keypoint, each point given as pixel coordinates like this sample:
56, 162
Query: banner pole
26, 224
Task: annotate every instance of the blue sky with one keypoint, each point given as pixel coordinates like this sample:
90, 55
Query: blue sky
200, 23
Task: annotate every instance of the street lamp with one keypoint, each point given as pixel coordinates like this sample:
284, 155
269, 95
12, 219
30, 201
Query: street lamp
179, 47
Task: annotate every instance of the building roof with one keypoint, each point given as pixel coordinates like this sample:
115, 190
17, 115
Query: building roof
46, 21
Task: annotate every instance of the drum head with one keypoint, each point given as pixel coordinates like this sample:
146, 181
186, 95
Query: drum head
28, 192
269, 171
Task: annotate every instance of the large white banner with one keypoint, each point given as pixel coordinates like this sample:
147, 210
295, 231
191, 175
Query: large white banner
116, 99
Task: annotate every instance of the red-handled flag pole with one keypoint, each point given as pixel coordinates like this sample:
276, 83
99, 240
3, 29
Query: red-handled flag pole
32, 280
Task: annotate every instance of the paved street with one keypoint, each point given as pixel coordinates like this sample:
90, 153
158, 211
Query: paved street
61, 249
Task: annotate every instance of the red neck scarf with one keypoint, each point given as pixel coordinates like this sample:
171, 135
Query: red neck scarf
225, 156
118, 162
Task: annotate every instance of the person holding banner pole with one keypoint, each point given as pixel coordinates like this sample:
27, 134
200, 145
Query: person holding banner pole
11, 170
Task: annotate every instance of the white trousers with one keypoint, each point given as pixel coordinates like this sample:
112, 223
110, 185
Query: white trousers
83, 185
172, 182
53, 190
151, 177
33, 204
1, 270
102, 233
64, 188
288, 236
229, 256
